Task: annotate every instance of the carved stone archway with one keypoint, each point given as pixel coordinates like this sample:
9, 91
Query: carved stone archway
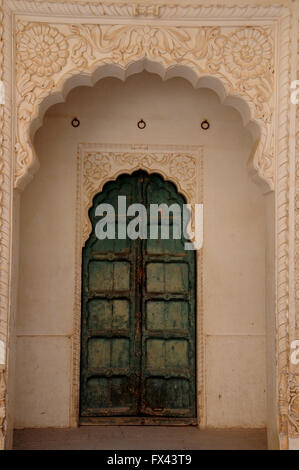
53, 58
245, 53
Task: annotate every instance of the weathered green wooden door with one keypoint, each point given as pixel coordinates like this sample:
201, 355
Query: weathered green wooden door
138, 314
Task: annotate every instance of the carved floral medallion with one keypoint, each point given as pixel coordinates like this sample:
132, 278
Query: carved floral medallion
248, 54
42, 50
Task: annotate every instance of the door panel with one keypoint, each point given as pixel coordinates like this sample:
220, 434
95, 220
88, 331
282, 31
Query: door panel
138, 314
110, 346
167, 315
168, 321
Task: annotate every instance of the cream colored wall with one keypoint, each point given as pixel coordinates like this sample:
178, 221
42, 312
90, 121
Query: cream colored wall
272, 408
234, 245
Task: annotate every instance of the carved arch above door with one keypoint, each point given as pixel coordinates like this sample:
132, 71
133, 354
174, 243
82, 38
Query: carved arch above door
236, 61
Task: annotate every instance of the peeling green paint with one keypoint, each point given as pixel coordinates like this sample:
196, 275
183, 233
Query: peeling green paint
138, 315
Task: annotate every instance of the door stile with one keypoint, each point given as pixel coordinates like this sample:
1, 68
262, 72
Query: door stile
94, 252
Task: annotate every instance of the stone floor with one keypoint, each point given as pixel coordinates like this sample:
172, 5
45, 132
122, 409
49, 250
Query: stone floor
139, 438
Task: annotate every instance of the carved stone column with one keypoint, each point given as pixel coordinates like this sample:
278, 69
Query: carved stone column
4, 238
294, 368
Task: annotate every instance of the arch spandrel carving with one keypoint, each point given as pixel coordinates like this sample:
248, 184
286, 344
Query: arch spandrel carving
51, 56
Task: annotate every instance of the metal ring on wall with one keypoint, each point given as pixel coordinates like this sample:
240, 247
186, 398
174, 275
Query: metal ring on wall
141, 124
75, 122
205, 125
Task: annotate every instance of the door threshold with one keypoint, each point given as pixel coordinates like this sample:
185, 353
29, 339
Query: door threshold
136, 421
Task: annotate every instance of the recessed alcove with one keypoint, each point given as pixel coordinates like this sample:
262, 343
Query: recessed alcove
234, 267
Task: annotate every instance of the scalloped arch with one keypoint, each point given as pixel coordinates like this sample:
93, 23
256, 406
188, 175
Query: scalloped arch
113, 177
100, 163
110, 180
92, 52
244, 108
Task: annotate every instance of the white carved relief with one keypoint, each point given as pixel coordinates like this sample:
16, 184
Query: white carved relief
293, 399
48, 54
94, 8
5, 220
294, 405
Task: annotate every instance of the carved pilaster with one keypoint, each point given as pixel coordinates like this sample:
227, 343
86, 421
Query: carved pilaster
5, 185
294, 373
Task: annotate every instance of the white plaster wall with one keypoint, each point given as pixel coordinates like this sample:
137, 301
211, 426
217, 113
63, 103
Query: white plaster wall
234, 245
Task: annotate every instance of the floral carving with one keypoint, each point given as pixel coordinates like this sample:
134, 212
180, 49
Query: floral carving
96, 165
149, 160
134, 40
294, 403
248, 53
183, 167
48, 54
42, 49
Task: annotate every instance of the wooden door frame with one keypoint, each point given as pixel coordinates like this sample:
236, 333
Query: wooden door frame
176, 155
98, 163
